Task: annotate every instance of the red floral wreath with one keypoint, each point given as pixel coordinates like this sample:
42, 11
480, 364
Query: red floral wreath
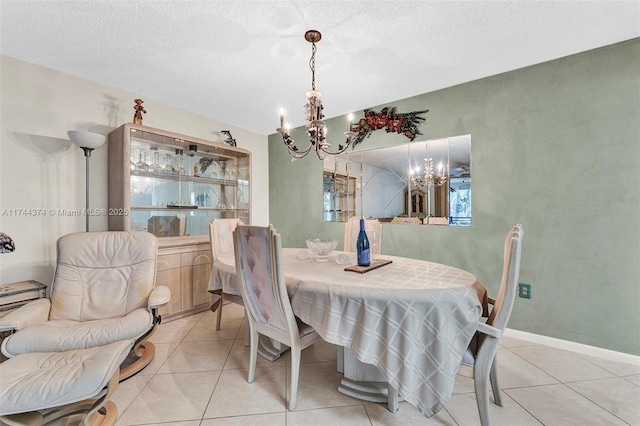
388, 119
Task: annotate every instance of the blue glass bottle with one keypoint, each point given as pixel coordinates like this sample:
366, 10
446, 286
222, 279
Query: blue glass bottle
362, 247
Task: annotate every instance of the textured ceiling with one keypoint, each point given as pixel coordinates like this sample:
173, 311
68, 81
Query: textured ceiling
239, 61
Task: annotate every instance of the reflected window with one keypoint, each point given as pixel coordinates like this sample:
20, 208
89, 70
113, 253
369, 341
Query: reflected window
460, 201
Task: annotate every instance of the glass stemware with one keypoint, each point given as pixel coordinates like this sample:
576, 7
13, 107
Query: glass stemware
155, 167
179, 160
142, 166
374, 244
168, 168
215, 169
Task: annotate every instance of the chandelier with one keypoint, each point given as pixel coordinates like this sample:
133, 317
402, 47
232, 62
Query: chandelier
433, 176
316, 129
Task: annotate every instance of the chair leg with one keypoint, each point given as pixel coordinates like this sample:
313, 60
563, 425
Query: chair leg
481, 372
482, 396
109, 410
217, 301
295, 373
253, 357
140, 363
142, 353
493, 377
219, 313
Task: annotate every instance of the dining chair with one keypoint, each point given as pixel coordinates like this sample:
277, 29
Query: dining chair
221, 239
414, 220
481, 353
258, 252
352, 229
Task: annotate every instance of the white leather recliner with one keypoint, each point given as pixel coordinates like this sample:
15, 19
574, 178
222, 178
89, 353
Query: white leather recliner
103, 291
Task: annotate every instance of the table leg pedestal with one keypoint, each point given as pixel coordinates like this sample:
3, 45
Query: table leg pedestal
268, 349
364, 381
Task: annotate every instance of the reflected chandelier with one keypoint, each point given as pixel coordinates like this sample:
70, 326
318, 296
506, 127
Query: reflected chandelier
316, 129
431, 178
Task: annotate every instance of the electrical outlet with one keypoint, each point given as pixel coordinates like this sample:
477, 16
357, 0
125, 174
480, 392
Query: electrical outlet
524, 290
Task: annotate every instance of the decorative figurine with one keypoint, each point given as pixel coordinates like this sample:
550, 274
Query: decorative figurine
195, 170
137, 117
229, 140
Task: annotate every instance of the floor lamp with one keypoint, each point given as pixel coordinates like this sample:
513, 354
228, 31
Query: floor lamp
88, 142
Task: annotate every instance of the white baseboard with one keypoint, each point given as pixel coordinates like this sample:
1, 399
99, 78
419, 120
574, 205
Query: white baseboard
574, 347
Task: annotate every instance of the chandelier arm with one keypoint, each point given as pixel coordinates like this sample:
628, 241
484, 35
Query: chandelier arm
290, 144
346, 145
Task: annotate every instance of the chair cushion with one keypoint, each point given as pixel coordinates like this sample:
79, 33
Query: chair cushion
468, 358
41, 380
66, 335
304, 328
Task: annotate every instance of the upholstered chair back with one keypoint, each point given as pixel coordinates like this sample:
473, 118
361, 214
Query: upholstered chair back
261, 279
102, 274
352, 229
406, 220
221, 235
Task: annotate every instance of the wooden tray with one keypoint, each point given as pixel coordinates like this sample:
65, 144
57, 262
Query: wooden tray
377, 263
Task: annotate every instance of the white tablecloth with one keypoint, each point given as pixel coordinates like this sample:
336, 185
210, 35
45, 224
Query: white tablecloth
412, 319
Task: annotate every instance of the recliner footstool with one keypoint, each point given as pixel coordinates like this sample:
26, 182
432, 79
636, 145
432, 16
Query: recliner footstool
39, 387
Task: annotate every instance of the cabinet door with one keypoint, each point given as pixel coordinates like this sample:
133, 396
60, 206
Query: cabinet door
201, 272
168, 274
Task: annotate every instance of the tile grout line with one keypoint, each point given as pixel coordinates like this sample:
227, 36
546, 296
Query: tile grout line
523, 407
594, 402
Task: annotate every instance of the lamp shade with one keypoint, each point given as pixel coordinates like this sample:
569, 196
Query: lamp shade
85, 139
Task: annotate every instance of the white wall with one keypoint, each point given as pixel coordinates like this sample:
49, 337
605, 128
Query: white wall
40, 169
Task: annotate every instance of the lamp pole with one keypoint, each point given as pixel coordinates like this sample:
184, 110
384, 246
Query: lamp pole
88, 141
87, 154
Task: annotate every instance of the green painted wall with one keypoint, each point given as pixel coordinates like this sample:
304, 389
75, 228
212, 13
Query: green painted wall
556, 147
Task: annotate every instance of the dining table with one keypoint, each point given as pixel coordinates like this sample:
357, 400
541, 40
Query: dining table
411, 319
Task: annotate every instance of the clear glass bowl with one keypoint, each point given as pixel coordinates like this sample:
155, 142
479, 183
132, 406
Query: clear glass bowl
322, 248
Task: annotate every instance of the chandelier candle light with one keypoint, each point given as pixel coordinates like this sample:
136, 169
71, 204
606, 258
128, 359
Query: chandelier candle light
316, 128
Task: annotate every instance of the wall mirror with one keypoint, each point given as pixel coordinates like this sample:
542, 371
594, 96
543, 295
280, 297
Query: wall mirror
426, 182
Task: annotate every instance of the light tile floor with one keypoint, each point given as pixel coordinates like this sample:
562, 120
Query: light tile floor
199, 377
